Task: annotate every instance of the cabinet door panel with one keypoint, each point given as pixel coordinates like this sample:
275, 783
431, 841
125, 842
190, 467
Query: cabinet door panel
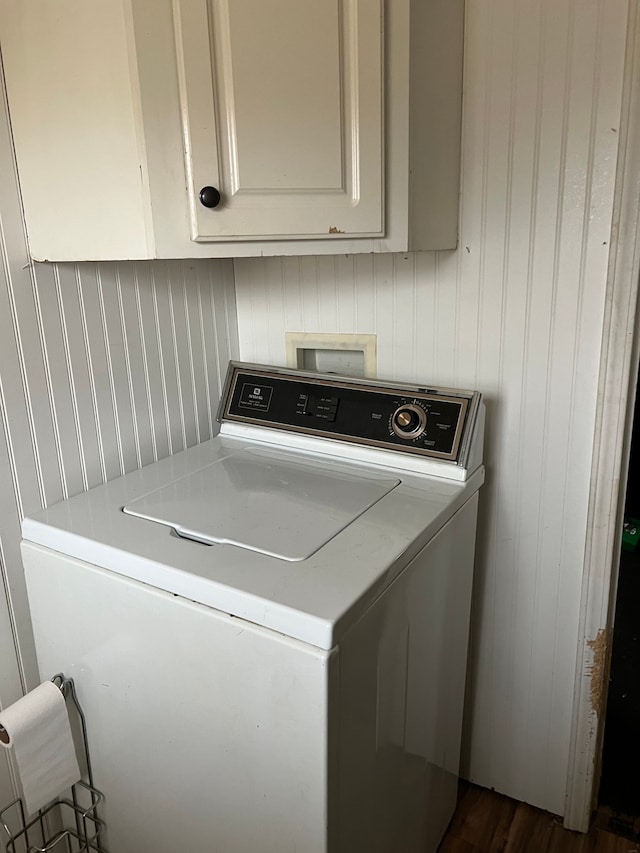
282, 111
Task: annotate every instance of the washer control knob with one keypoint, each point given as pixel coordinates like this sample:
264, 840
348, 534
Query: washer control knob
409, 421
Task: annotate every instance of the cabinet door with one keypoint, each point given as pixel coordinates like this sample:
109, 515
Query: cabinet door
282, 112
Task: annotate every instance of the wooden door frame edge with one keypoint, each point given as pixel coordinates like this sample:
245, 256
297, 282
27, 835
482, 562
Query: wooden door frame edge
614, 420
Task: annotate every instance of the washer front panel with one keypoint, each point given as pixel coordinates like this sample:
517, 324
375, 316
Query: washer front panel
425, 421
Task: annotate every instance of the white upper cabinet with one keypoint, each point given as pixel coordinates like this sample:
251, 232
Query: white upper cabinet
213, 128
283, 117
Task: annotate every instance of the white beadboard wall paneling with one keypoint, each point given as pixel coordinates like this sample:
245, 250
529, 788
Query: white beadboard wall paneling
17, 663
516, 312
11, 683
127, 360
216, 323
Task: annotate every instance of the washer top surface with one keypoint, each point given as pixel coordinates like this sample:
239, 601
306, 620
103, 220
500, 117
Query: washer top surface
286, 519
313, 599
259, 500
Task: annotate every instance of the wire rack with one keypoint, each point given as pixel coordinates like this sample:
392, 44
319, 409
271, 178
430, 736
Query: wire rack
69, 824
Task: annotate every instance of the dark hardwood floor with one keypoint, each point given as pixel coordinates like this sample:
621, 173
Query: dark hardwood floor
486, 822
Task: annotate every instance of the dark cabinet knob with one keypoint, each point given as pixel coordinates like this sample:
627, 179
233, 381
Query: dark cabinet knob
209, 197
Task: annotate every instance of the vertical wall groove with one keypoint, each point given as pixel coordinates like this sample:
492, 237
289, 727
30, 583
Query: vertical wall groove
90, 386
127, 368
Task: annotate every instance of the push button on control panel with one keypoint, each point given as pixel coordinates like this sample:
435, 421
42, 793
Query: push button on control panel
324, 408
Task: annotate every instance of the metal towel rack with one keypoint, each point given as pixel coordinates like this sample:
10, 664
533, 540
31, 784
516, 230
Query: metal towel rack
67, 824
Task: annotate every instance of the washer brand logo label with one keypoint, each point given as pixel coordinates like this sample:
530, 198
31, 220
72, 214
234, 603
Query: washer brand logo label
255, 397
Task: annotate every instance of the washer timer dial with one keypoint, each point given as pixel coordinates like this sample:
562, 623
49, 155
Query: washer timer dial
409, 421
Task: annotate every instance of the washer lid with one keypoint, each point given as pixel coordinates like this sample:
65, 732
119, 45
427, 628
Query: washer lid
265, 502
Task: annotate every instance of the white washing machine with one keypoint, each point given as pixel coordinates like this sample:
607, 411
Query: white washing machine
268, 632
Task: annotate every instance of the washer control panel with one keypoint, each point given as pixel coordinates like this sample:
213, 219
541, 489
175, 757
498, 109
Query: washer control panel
426, 421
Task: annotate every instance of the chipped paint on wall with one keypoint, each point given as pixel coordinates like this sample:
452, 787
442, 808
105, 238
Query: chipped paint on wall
596, 670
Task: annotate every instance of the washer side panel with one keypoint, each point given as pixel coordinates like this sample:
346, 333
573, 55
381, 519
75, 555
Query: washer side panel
402, 683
